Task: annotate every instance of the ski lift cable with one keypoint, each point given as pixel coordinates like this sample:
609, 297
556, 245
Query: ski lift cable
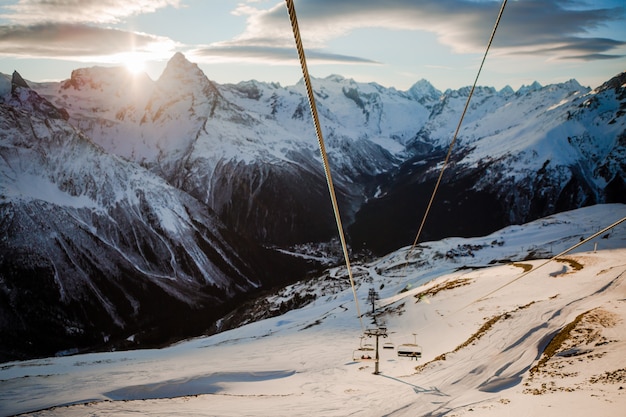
458, 128
320, 139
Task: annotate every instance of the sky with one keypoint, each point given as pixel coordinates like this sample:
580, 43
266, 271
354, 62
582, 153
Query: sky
393, 42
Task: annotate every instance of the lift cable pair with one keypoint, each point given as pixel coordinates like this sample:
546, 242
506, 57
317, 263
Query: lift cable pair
318, 131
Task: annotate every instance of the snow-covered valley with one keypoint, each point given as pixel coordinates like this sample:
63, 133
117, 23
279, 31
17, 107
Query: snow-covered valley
503, 331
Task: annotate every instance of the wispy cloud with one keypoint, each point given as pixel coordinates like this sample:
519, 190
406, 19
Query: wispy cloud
81, 29
558, 28
76, 41
80, 11
269, 54
73, 30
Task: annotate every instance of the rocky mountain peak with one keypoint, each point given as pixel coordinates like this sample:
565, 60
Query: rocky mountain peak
507, 90
17, 81
180, 73
423, 88
616, 83
24, 97
535, 86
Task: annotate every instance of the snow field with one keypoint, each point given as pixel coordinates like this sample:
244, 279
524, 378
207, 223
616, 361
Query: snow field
301, 363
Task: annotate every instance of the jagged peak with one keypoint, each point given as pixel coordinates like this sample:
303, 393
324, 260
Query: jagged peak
423, 88
335, 78
615, 83
99, 78
572, 83
507, 90
465, 91
24, 97
535, 86
179, 57
180, 69
272, 84
18, 81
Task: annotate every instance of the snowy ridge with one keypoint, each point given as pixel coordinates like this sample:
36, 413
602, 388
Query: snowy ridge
485, 310
40, 161
538, 150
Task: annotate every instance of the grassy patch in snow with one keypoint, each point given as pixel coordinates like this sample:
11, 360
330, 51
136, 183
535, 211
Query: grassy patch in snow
575, 265
582, 331
483, 329
448, 285
487, 325
555, 344
525, 267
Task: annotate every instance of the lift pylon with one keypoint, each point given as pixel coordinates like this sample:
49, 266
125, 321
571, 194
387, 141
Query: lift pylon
376, 332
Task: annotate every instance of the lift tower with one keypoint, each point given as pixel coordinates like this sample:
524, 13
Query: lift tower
377, 332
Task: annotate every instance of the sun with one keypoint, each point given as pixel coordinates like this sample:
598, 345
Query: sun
134, 63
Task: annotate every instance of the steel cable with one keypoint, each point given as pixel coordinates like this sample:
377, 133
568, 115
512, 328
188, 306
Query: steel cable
456, 133
320, 140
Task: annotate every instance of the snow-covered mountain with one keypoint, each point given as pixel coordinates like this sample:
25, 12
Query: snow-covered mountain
96, 249
243, 148
520, 156
502, 331
249, 150
117, 187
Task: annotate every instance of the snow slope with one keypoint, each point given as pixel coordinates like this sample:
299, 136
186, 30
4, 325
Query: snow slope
482, 321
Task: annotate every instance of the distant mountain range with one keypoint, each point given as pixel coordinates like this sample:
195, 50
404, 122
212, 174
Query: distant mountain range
136, 211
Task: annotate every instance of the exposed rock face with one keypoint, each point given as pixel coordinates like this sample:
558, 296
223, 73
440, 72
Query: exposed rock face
17, 81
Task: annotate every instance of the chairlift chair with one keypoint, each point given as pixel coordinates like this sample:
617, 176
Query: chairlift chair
365, 352
410, 350
388, 345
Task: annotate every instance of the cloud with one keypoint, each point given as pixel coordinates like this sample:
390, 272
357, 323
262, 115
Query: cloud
73, 29
78, 41
584, 49
276, 55
556, 28
80, 11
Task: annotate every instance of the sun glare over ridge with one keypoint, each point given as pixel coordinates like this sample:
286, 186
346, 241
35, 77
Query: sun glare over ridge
134, 63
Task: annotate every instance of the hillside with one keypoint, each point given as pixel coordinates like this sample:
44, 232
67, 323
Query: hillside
95, 248
502, 332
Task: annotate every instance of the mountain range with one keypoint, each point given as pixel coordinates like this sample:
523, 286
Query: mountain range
135, 212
